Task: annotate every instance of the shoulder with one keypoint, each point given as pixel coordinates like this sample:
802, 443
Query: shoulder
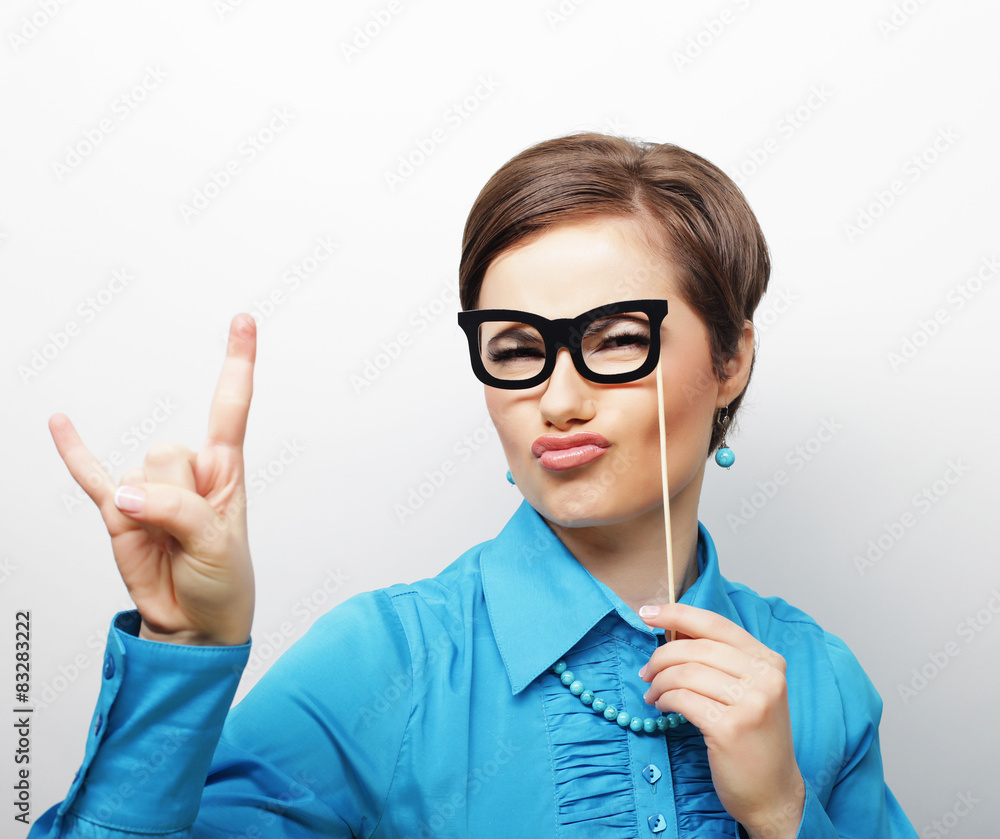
835, 709
453, 595
399, 618
813, 654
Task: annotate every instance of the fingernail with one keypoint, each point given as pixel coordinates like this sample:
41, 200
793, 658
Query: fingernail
642, 671
649, 611
129, 499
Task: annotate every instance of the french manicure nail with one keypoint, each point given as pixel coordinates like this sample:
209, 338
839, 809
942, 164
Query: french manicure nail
642, 671
649, 611
129, 499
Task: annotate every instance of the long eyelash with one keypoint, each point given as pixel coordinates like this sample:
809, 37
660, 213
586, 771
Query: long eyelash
639, 337
513, 352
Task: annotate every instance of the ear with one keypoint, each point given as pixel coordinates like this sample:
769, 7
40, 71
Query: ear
737, 367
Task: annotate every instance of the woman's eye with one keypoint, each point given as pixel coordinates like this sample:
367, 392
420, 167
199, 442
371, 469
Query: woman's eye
626, 339
510, 353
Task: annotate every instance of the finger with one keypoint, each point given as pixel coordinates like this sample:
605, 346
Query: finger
723, 657
170, 463
133, 477
701, 623
179, 512
698, 709
698, 678
227, 418
83, 466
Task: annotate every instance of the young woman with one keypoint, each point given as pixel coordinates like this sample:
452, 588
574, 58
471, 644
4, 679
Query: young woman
528, 690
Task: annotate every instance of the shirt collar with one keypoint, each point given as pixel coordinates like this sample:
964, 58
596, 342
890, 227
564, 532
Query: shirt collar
541, 600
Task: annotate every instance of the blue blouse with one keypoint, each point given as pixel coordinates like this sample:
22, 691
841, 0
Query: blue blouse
431, 710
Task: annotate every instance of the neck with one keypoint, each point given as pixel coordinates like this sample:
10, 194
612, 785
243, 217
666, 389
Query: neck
630, 557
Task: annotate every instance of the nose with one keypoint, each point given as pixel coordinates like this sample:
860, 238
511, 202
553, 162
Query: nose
567, 396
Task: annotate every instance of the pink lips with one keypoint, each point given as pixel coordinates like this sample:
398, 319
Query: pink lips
564, 451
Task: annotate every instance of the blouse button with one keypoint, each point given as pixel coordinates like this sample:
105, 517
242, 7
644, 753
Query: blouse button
657, 823
652, 774
109, 666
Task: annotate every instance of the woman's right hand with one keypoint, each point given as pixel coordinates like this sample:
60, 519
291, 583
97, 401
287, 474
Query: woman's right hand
184, 555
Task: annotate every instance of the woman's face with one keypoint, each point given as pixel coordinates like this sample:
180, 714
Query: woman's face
564, 272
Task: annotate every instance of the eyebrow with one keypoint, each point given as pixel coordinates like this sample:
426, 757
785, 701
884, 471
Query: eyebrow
613, 320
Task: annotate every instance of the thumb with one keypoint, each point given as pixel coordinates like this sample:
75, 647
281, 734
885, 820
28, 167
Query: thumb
184, 514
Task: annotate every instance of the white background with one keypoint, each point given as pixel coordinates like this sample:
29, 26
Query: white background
815, 109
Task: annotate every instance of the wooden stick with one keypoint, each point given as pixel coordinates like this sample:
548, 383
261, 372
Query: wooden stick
666, 488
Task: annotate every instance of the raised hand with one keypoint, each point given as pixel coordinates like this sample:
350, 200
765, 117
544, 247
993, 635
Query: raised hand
178, 526
733, 688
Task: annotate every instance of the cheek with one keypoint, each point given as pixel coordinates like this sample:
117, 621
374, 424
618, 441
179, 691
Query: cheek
503, 415
688, 407
690, 411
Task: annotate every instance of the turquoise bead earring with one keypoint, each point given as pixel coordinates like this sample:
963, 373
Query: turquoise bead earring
724, 456
510, 478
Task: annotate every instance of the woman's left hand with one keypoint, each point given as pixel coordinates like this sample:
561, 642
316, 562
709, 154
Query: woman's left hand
733, 689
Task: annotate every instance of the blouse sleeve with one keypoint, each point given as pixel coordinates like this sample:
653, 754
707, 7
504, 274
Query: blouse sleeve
310, 751
859, 804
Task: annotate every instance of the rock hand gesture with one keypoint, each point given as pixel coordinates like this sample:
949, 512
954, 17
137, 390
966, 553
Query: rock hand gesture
178, 525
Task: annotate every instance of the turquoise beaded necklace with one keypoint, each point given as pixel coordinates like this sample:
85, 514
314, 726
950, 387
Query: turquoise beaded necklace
610, 712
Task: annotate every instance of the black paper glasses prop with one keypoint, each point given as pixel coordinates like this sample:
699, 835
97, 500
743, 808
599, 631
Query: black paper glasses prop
612, 344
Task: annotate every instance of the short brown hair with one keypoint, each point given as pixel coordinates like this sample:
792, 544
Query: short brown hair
691, 211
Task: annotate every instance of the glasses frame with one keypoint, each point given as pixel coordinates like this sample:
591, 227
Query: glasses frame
564, 333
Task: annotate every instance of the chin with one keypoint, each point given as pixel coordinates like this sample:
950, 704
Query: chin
582, 507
